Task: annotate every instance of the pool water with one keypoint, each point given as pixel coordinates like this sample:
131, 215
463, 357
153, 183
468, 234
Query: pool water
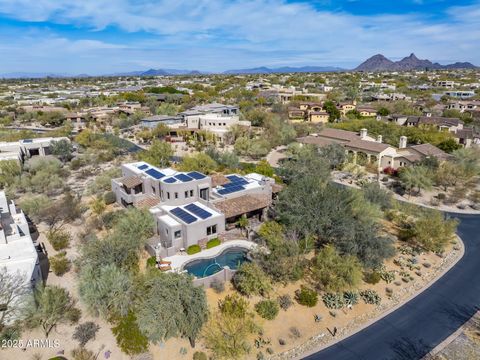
232, 258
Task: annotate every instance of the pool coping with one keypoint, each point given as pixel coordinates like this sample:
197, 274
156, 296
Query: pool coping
179, 261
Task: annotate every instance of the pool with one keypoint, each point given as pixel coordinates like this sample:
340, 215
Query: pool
232, 258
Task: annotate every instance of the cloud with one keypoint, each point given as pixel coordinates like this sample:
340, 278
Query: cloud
213, 34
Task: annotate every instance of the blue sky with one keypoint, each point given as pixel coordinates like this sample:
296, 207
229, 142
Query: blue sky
107, 36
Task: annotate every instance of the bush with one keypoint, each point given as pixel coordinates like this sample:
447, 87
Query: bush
109, 198
199, 355
82, 354
74, 315
59, 239
295, 333
193, 249
213, 242
306, 296
218, 286
372, 277
267, 309
151, 261
60, 264
284, 301
370, 297
333, 301
129, 337
251, 280
85, 332
387, 276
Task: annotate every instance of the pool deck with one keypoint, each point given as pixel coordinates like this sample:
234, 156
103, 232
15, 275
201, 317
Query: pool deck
179, 260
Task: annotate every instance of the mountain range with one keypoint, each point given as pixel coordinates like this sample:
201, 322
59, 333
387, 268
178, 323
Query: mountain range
376, 63
381, 63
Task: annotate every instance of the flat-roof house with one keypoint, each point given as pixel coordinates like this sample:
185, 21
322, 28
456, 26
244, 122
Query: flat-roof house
18, 254
27, 148
188, 207
152, 122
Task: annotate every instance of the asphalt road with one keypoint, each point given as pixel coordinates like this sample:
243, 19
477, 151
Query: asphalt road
417, 327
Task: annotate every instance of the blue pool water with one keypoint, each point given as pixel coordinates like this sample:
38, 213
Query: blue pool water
232, 258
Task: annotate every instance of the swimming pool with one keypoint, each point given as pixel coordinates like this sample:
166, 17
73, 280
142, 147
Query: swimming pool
232, 257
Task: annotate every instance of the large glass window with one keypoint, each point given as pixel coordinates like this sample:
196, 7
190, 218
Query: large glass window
212, 230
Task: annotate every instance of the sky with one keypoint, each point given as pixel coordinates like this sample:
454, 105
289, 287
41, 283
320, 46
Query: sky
108, 36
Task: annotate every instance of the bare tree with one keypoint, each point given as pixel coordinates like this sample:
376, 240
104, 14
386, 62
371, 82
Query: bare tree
13, 293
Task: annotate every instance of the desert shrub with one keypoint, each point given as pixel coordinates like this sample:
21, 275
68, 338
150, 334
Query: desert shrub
74, 315
213, 242
251, 280
306, 296
81, 353
129, 337
60, 264
218, 286
10, 333
109, 197
387, 276
295, 333
267, 309
282, 341
193, 249
333, 300
152, 261
370, 297
372, 277
284, 301
199, 355
350, 298
85, 332
59, 239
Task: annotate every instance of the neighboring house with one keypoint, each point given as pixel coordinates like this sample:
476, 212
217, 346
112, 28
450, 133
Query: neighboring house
363, 149
189, 207
27, 148
152, 122
366, 111
213, 108
308, 111
17, 250
460, 94
78, 121
346, 106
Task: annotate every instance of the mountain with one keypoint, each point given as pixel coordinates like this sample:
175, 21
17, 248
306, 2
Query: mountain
27, 75
286, 69
381, 63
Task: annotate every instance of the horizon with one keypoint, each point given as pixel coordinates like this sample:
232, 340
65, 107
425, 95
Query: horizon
98, 38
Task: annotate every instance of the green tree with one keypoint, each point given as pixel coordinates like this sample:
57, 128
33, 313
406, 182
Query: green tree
432, 232
251, 280
158, 154
107, 291
14, 293
332, 110
10, 170
334, 154
170, 306
199, 162
128, 335
333, 272
53, 305
62, 149
416, 177
228, 329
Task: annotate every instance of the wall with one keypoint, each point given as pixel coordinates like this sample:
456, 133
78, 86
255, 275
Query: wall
224, 275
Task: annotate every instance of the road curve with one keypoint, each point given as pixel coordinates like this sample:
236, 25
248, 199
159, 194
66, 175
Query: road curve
421, 324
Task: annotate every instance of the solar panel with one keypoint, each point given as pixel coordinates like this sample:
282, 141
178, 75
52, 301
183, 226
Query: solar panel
201, 213
234, 179
183, 177
183, 215
230, 189
196, 175
27, 141
143, 167
170, 180
154, 173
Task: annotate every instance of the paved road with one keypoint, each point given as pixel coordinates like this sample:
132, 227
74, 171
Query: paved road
413, 330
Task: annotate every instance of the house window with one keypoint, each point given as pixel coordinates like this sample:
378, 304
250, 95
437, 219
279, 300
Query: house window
176, 195
186, 194
168, 195
204, 194
177, 234
191, 193
153, 189
212, 230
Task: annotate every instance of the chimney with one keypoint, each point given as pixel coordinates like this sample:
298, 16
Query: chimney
379, 138
363, 133
403, 142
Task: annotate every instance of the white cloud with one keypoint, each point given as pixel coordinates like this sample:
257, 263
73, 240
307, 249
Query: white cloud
216, 33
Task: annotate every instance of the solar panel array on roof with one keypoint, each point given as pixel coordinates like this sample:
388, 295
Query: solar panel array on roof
234, 179
196, 175
183, 215
197, 210
143, 167
170, 180
154, 173
27, 141
230, 189
183, 177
